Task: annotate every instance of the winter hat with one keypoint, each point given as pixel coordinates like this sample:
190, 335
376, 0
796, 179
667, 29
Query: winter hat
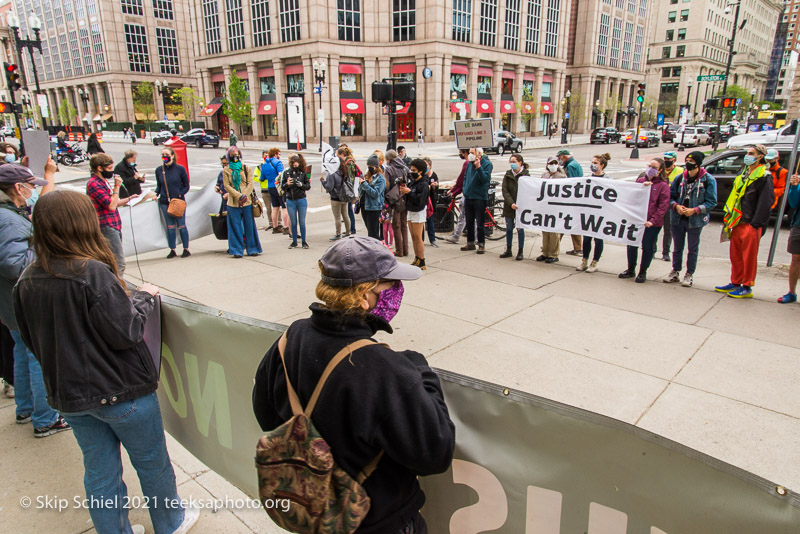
373, 161
697, 157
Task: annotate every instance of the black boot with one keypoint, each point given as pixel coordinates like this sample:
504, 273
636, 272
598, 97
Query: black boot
630, 272
506, 254
641, 278
520, 256
421, 264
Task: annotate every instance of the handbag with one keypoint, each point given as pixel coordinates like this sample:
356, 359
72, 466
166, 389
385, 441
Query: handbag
177, 206
395, 199
219, 224
256, 203
429, 209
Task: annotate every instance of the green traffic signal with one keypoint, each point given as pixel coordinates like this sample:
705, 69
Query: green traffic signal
640, 99
733, 112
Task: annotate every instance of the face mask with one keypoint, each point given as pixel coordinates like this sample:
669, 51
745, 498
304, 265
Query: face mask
552, 168
415, 175
471, 157
651, 172
461, 155
166, 159
30, 201
594, 167
10, 158
389, 302
669, 163
108, 174
690, 166
234, 158
749, 160
132, 164
514, 166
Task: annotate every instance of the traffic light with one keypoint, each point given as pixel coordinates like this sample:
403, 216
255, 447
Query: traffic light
712, 103
6, 107
733, 112
640, 92
728, 102
12, 76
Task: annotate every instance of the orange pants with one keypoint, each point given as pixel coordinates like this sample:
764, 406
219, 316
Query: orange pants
744, 254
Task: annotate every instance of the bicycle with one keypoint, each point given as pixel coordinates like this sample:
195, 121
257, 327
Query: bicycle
493, 221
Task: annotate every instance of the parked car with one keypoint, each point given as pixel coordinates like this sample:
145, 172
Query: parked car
691, 136
782, 136
504, 141
647, 138
725, 166
200, 138
668, 132
7, 131
161, 137
605, 135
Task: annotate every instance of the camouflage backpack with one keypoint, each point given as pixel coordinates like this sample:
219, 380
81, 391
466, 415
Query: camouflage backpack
295, 463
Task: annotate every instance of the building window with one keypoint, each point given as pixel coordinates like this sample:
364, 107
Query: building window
512, 24
289, 11
620, 4
235, 18
86, 47
682, 34
643, 8
676, 72
631, 6
666, 52
57, 12
295, 83
162, 9
80, 11
97, 42
211, 23
626, 46
551, 30
462, 20
680, 51
260, 16
129, 7
673, 2
57, 73
637, 48
671, 17
138, 53
666, 72
488, 33
68, 15
602, 45
616, 38
349, 15
167, 51
534, 18
91, 6
62, 42
76, 53
48, 66
670, 35
684, 15
404, 20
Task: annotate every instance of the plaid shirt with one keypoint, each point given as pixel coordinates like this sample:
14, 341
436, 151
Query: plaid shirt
100, 193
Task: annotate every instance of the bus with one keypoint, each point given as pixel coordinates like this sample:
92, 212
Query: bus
778, 118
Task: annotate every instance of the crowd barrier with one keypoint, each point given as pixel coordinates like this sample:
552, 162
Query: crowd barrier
523, 464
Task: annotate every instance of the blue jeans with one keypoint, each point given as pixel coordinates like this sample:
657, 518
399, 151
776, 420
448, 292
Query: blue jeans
242, 231
173, 223
30, 393
297, 212
137, 425
648, 244
352, 218
511, 222
679, 233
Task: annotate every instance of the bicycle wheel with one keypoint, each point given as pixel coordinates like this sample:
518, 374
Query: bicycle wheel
495, 224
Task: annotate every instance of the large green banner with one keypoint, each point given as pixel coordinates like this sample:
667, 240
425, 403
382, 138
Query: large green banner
523, 464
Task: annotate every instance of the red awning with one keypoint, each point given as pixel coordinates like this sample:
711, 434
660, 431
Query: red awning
529, 76
265, 72
242, 74
211, 108
507, 106
350, 68
485, 106
547, 78
547, 108
352, 105
404, 68
455, 68
294, 69
267, 107
485, 71
528, 107
509, 75
218, 77
455, 107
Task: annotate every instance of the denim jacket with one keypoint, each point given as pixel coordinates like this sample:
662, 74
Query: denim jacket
702, 197
373, 193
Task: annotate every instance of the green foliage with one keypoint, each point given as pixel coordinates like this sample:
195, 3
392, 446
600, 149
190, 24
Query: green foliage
143, 102
66, 111
188, 99
236, 103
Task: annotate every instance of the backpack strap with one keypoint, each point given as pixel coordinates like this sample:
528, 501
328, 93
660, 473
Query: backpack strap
294, 400
369, 469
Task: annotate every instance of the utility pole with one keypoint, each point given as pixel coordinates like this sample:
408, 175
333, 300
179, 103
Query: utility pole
731, 52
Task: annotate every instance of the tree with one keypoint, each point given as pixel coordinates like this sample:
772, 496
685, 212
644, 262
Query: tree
66, 112
236, 103
143, 102
188, 100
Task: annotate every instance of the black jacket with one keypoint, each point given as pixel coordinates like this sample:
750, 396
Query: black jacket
93, 146
301, 184
378, 399
87, 335
417, 199
177, 183
131, 186
757, 202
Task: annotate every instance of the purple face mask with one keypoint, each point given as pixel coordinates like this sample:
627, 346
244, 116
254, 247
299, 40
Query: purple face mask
651, 172
389, 302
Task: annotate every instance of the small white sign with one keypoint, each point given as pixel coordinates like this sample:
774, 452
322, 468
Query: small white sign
320, 116
473, 133
43, 106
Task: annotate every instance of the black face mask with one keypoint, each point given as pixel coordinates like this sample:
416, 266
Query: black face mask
690, 166
461, 155
669, 163
415, 175
108, 174
234, 158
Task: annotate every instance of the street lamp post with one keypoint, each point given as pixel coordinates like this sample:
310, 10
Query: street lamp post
731, 42
683, 132
565, 127
319, 79
750, 109
30, 44
84, 95
163, 90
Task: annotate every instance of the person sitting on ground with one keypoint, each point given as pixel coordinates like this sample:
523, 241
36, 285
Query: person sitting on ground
551, 241
400, 417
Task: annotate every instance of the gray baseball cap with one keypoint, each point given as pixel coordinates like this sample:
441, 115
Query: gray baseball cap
358, 259
13, 173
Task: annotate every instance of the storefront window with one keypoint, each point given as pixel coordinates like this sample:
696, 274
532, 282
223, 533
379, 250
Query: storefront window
295, 83
458, 90
270, 124
268, 85
350, 83
508, 86
351, 123
484, 85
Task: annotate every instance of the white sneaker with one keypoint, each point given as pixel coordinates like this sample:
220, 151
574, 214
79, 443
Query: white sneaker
190, 517
592, 267
8, 389
137, 529
687, 280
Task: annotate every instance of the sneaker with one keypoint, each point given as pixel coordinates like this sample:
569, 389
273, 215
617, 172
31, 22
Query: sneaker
666, 257
305, 245
727, 288
185, 254
673, 277
452, 239
293, 245
8, 390
468, 246
59, 426
481, 249
551, 260
278, 230
583, 266
592, 267
575, 253
172, 254
687, 280
137, 529
641, 278
627, 273
22, 419
786, 299
190, 517
742, 292
336, 237
542, 257
434, 245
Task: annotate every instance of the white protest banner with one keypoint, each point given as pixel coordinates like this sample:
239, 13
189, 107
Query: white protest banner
610, 210
476, 133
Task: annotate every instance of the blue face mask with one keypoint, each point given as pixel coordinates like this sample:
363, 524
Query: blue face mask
132, 164
10, 158
749, 160
33, 198
514, 166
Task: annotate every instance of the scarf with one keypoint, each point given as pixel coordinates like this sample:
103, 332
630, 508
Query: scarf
236, 174
733, 206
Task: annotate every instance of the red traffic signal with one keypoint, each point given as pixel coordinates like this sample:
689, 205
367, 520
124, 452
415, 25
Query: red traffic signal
728, 102
12, 76
6, 107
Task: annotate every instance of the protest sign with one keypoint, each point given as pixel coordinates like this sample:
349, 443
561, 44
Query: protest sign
37, 148
476, 133
610, 210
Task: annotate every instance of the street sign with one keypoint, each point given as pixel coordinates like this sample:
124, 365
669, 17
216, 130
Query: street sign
660, 119
566, 115
43, 106
318, 90
457, 100
738, 101
711, 78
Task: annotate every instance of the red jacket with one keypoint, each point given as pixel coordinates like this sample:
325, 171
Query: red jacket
779, 175
459, 187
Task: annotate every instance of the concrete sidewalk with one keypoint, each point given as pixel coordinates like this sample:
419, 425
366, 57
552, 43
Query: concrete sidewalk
711, 372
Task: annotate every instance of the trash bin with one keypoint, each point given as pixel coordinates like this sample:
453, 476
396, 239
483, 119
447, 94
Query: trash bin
443, 219
334, 141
